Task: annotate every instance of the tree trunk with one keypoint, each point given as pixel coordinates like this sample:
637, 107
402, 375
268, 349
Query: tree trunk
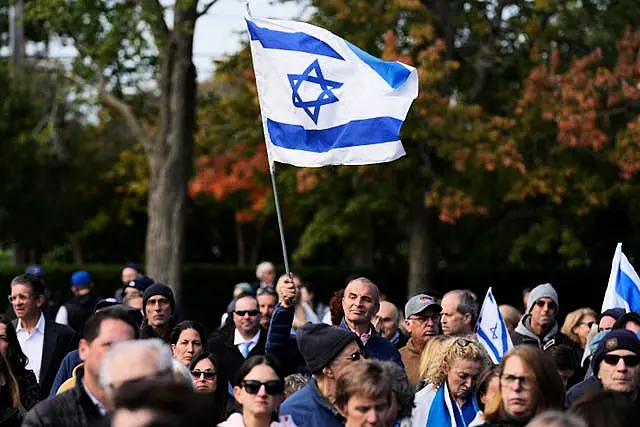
240, 248
170, 155
420, 250
257, 243
362, 249
76, 250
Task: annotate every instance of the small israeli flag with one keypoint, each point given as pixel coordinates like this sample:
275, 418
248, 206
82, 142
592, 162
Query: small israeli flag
323, 100
492, 331
623, 289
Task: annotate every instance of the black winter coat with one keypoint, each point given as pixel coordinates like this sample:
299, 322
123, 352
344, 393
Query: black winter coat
73, 408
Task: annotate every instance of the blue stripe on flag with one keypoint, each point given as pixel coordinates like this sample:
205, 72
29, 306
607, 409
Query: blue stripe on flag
300, 42
353, 134
391, 72
493, 348
627, 289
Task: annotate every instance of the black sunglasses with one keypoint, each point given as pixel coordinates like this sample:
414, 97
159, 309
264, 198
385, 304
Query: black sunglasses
613, 359
271, 387
207, 375
552, 305
251, 313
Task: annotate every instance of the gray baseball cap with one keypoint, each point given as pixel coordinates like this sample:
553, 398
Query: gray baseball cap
419, 303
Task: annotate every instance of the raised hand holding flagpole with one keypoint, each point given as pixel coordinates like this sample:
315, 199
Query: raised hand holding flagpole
323, 101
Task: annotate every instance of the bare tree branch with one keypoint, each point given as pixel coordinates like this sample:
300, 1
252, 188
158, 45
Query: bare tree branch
155, 18
206, 8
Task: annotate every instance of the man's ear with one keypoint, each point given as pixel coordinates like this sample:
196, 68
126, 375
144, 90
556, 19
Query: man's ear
327, 371
467, 318
83, 349
40, 301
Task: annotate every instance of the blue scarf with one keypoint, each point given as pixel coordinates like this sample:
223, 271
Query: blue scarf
444, 411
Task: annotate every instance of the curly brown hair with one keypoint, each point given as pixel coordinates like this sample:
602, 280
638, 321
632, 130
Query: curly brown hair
335, 307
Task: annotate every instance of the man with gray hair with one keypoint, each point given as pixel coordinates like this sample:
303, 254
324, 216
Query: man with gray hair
459, 313
361, 301
133, 361
266, 275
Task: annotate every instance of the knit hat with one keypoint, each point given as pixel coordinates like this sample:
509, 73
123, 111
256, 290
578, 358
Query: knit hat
616, 339
542, 291
35, 270
80, 279
320, 343
615, 313
158, 289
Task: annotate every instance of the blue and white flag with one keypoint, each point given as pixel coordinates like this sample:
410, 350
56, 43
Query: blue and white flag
624, 284
323, 100
492, 331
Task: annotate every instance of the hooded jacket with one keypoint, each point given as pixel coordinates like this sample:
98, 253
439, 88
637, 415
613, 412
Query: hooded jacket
523, 334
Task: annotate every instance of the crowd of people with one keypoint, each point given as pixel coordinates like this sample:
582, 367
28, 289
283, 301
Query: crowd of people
279, 358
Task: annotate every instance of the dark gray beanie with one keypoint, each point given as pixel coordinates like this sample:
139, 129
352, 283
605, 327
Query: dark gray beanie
542, 291
320, 344
158, 289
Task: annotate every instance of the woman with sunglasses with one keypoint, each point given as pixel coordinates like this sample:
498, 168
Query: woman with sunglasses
451, 380
26, 379
259, 389
577, 325
529, 385
206, 378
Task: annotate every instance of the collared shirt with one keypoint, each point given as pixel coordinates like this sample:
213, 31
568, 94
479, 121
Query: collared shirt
240, 342
363, 337
100, 406
395, 338
32, 344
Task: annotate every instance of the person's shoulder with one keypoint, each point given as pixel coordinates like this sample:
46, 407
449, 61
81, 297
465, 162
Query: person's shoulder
51, 408
61, 330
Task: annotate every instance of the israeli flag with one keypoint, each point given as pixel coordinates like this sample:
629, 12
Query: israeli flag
624, 284
323, 100
492, 331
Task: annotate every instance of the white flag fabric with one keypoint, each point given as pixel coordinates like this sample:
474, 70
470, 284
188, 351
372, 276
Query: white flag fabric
623, 289
492, 331
323, 100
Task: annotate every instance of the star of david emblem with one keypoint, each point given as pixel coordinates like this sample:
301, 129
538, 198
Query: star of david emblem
313, 75
494, 332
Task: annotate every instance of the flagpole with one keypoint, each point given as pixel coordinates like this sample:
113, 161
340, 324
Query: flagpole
279, 215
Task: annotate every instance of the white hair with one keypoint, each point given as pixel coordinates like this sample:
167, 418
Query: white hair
262, 267
182, 374
163, 356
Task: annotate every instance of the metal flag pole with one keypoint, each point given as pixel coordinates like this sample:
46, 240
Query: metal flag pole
279, 215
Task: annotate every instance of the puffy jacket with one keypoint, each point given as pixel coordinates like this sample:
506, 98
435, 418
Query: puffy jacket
69, 363
72, 408
79, 309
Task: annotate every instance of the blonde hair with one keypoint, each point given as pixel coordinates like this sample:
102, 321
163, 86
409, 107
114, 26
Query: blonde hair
458, 348
511, 316
433, 347
572, 320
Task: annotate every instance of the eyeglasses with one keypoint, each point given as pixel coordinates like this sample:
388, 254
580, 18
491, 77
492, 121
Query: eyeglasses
589, 324
251, 313
423, 319
20, 297
207, 375
552, 305
629, 360
271, 387
510, 381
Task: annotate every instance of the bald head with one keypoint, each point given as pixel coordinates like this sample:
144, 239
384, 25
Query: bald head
360, 303
389, 318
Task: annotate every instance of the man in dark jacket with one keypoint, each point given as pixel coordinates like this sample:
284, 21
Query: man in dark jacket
83, 405
247, 338
616, 367
158, 305
360, 303
327, 350
76, 311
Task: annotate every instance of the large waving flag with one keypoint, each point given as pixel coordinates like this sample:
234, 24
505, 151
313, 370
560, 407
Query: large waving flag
624, 284
492, 331
323, 100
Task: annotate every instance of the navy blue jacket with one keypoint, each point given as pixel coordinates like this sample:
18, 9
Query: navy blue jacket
70, 361
283, 345
309, 408
589, 385
378, 347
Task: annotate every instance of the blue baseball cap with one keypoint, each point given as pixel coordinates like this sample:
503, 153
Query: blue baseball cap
80, 278
35, 270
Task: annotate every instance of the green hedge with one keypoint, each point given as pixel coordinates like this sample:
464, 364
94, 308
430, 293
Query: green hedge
207, 288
